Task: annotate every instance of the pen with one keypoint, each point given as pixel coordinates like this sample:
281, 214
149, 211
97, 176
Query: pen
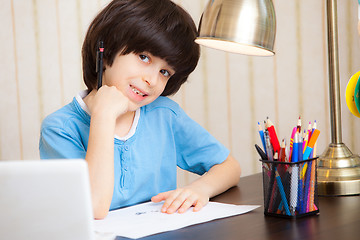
294, 177
99, 63
300, 147
269, 149
272, 175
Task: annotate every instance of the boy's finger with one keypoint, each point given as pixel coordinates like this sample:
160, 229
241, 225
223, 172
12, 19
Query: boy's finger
169, 199
198, 206
160, 197
186, 205
178, 201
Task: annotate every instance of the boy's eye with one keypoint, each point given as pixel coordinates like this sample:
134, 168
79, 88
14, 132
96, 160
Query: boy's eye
165, 73
144, 58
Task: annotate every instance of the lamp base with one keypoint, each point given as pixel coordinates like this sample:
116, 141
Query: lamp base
338, 172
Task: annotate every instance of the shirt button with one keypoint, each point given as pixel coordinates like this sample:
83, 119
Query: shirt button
126, 147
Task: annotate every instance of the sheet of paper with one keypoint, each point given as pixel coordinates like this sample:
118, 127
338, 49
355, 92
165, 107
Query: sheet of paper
147, 219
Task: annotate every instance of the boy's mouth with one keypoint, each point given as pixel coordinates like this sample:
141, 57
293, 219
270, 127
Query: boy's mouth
137, 91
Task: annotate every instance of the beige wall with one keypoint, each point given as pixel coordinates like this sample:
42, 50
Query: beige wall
228, 94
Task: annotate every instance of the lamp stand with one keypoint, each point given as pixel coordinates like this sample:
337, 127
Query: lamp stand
338, 169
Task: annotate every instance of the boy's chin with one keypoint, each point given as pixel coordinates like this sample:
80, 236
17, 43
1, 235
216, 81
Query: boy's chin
133, 107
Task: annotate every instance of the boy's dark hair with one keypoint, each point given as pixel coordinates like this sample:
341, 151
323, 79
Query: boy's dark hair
159, 27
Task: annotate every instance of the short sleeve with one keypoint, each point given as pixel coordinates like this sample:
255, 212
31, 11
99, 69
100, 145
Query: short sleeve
197, 149
56, 143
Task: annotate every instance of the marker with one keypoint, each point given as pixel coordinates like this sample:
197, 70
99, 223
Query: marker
99, 63
263, 155
295, 154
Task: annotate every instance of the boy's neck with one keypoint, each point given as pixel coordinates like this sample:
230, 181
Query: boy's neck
124, 123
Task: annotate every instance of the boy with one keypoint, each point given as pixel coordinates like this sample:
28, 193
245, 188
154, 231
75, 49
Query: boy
149, 53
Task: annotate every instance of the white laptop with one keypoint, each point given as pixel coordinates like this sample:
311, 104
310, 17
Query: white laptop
45, 200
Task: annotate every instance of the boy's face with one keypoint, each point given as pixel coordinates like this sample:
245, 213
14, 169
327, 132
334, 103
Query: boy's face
140, 77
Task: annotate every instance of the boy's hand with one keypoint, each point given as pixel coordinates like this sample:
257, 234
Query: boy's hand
108, 101
181, 200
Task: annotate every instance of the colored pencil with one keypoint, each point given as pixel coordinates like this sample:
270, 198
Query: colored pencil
273, 136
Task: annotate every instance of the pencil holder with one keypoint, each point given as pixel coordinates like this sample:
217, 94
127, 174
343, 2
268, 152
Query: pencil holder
290, 188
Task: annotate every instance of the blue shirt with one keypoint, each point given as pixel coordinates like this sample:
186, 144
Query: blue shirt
145, 164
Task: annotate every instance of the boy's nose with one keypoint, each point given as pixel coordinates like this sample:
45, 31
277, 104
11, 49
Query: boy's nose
146, 81
150, 78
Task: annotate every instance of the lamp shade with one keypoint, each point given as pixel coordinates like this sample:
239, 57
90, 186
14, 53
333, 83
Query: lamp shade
239, 26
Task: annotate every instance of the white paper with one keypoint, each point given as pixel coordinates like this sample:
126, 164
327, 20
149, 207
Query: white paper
147, 219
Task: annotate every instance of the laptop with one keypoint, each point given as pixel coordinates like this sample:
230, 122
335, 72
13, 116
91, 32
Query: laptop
45, 200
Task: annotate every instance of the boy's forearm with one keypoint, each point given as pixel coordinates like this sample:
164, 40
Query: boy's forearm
99, 156
219, 178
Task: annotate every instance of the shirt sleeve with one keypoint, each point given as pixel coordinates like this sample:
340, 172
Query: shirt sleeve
197, 149
55, 143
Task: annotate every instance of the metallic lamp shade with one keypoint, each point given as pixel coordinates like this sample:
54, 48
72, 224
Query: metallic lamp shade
240, 26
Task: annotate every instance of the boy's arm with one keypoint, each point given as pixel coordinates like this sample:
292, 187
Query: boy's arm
100, 152
217, 180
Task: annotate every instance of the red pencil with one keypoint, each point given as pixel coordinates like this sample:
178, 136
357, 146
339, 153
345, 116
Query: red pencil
273, 137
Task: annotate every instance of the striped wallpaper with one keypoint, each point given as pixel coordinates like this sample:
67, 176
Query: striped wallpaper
227, 94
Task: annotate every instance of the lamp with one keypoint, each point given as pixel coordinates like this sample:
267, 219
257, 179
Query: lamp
338, 168
248, 27
239, 26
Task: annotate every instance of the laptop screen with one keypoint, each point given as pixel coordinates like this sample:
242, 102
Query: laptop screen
45, 200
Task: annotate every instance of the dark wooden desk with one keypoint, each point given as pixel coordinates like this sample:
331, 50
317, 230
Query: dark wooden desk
339, 218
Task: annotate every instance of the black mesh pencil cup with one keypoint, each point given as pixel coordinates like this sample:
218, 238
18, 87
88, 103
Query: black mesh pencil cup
290, 188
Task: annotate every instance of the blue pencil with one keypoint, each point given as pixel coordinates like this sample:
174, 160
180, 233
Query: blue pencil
282, 193
261, 133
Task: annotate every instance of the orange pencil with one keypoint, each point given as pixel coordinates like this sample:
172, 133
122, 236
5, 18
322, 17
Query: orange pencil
311, 143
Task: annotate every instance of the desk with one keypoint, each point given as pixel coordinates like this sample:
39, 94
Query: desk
339, 218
